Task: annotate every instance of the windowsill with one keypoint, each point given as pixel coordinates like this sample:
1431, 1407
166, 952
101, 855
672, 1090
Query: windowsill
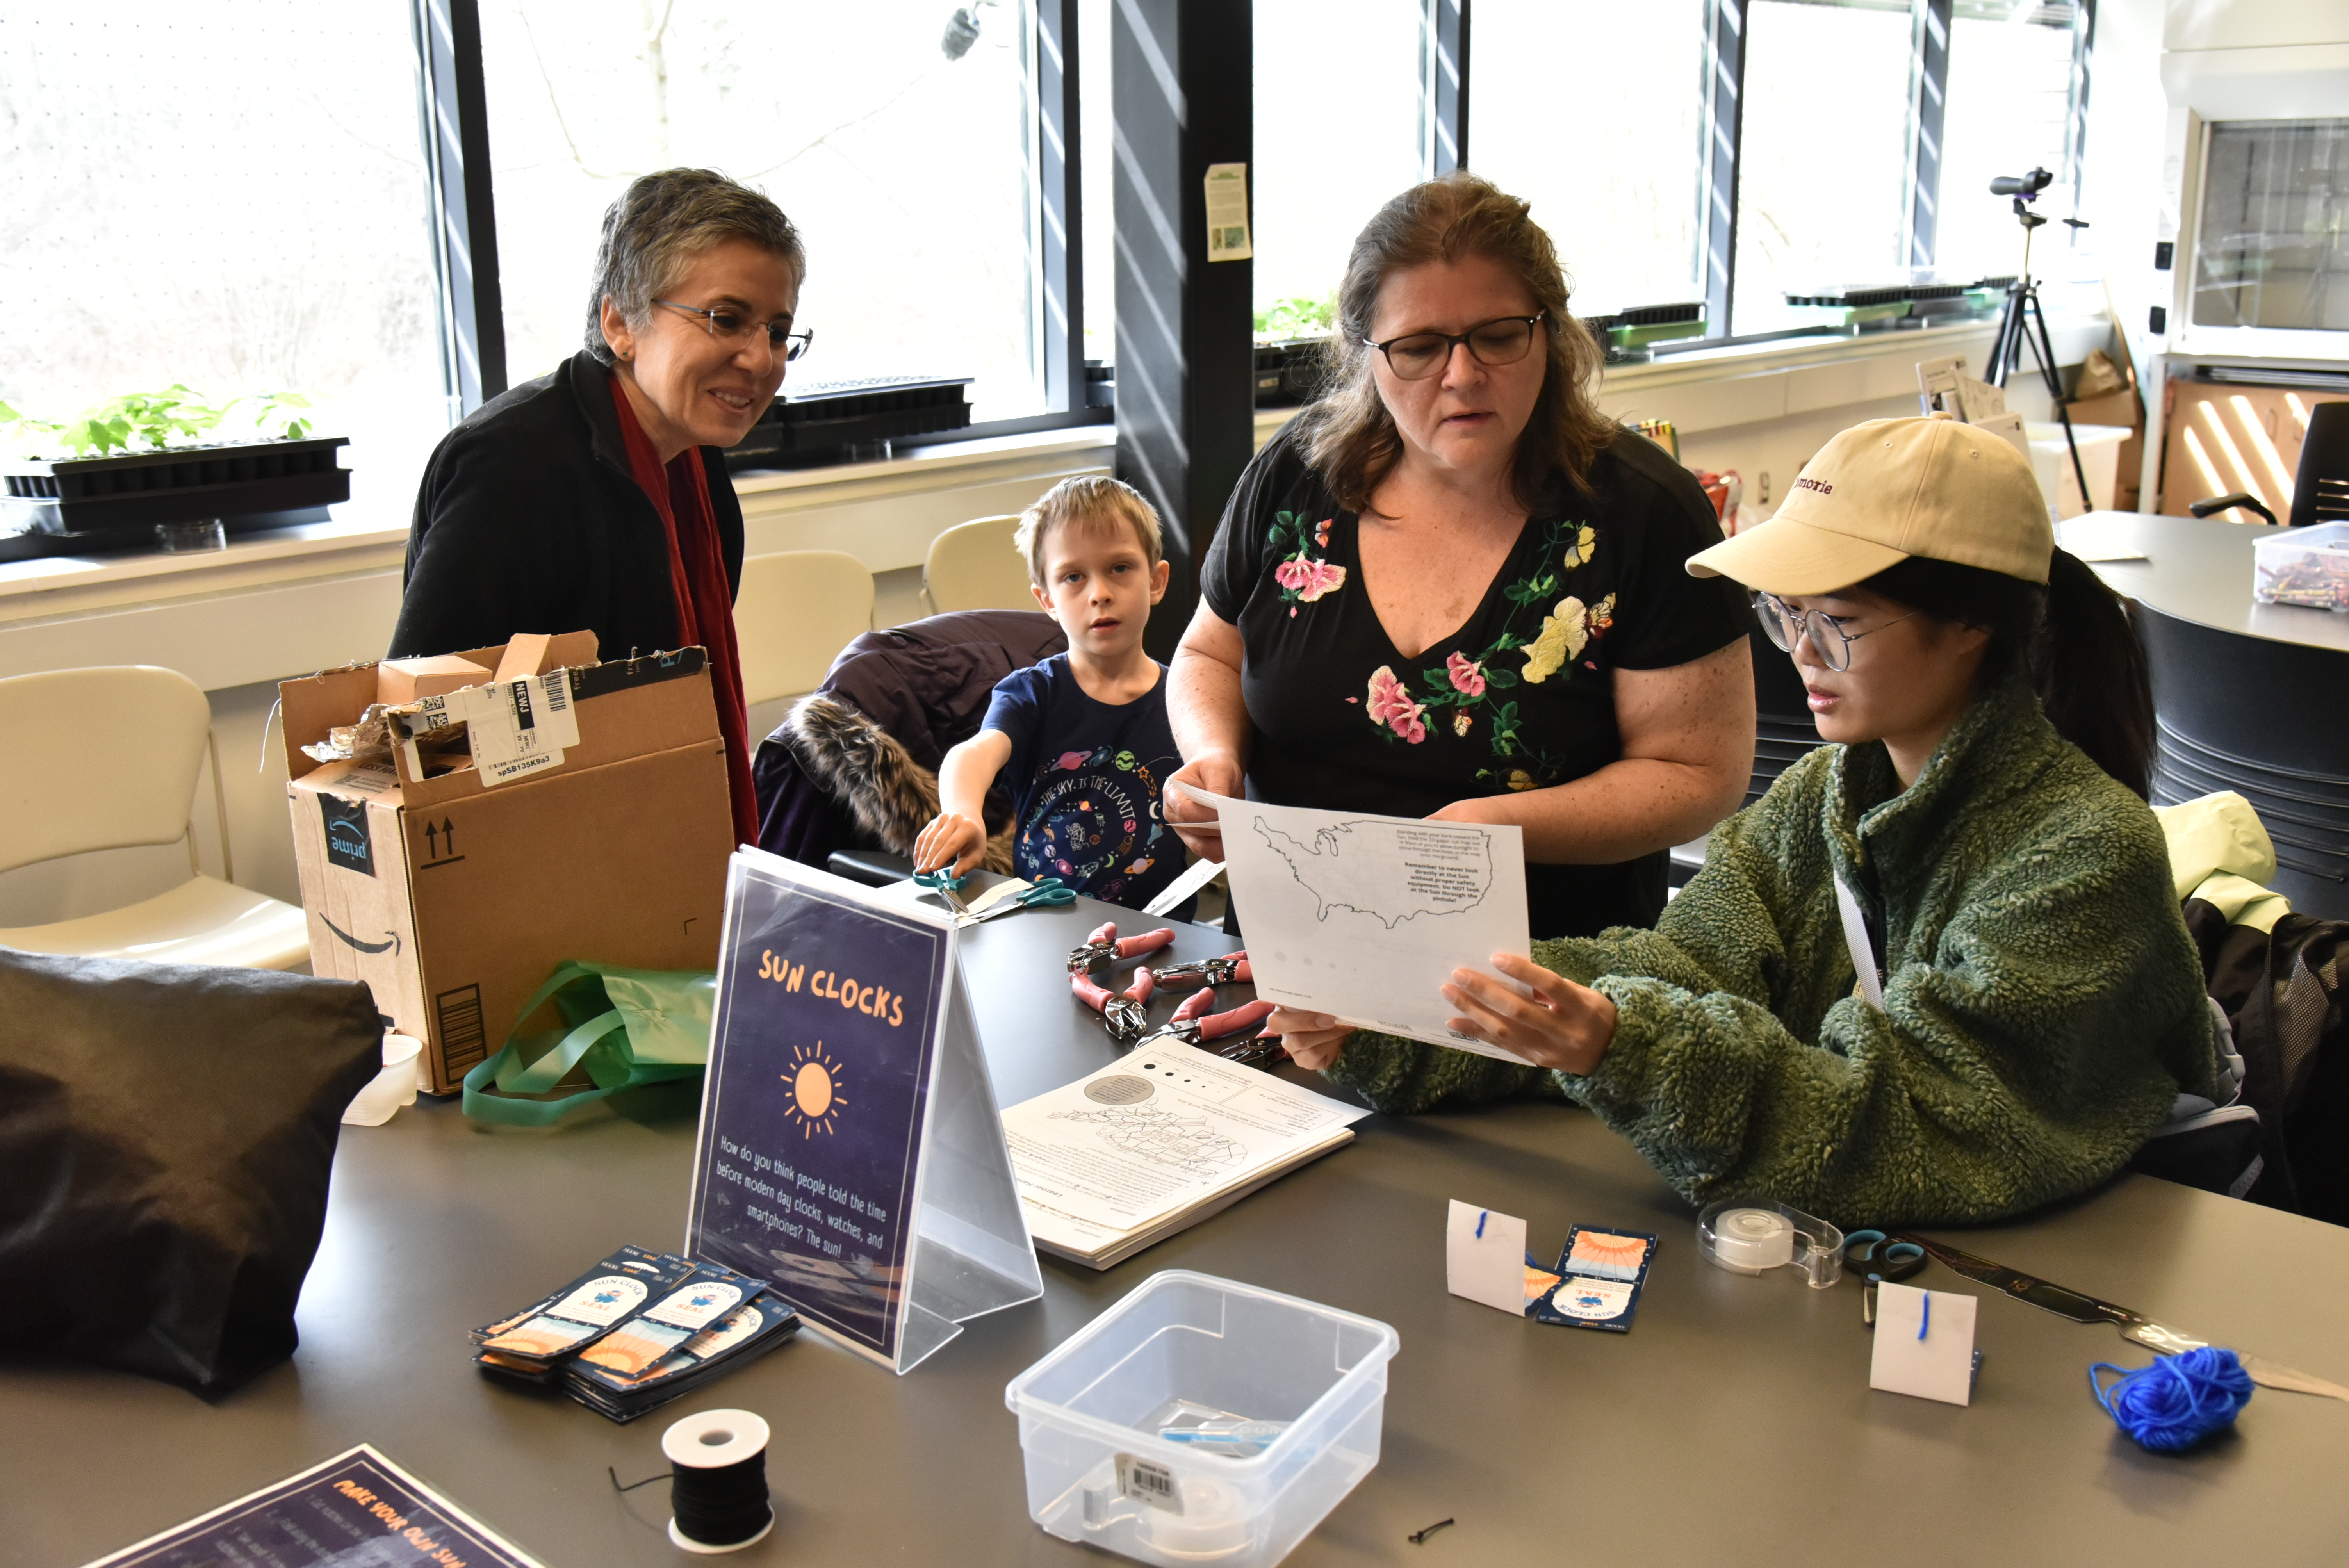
347, 544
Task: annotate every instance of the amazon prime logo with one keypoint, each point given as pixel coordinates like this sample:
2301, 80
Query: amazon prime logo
348, 843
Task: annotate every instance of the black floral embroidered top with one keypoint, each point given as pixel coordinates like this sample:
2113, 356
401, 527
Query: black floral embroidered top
1520, 697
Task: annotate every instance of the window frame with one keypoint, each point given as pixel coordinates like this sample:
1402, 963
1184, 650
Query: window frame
454, 128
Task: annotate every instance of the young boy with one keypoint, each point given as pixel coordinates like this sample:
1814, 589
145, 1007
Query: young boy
1084, 733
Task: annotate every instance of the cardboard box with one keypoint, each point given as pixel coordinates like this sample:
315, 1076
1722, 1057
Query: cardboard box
402, 681
454, 896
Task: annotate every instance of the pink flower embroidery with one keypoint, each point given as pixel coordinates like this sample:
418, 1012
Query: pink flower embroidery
1391, 705
1309, 579
1467, 674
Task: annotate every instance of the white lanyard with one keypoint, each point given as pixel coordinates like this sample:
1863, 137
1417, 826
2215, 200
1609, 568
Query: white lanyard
1863, 953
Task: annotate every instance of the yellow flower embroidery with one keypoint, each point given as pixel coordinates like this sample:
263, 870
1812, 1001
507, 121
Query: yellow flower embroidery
1460, 722
1563, 634
1575, 554
1519, 779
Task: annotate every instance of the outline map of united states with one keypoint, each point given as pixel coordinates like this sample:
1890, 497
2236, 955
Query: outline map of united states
1392, 871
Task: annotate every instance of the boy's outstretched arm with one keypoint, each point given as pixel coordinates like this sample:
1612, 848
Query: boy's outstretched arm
958, 836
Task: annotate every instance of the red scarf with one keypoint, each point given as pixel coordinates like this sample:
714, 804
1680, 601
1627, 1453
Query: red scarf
705, 599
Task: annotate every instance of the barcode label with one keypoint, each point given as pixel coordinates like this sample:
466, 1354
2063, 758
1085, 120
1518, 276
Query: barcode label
1149, 1482
462, 1042
558, 692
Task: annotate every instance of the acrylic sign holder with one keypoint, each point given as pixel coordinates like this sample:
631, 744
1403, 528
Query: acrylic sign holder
850, 1152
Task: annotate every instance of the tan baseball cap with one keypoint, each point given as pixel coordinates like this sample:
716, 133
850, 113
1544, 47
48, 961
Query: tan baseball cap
1888, 490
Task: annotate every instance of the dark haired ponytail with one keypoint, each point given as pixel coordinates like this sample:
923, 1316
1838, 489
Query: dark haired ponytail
2091, 673
2083, 655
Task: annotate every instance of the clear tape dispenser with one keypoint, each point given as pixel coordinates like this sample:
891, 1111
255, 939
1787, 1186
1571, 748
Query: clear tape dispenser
1752, 1238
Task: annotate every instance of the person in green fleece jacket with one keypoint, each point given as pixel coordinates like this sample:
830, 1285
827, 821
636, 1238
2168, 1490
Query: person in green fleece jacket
2028, 1006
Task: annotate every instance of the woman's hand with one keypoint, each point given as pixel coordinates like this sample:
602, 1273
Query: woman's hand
1312, 1039
1562, 1025
950, 838
1216, 772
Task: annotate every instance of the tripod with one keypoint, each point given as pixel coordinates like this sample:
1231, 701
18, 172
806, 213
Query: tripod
2023, 322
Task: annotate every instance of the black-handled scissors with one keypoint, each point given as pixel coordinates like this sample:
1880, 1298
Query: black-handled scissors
1875, 1258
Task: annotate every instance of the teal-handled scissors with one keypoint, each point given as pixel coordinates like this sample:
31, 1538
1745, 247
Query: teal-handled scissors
1875, 1258
946, 886
1044, 893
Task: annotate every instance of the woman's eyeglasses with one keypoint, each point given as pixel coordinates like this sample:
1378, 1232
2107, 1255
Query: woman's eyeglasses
1416, 356
1782, 624
737, 327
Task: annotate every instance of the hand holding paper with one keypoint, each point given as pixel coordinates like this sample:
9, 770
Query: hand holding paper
1365, 918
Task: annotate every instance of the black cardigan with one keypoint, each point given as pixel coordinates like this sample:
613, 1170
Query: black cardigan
528, 520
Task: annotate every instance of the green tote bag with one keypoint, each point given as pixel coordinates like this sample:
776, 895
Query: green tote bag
622, 1027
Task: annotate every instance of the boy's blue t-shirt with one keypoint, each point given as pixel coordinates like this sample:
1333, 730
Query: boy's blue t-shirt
1087, 780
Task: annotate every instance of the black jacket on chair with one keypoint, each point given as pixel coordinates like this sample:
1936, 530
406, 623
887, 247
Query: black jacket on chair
528, 520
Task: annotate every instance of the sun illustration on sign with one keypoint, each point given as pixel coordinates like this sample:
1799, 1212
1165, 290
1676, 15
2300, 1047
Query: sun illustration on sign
815, 1078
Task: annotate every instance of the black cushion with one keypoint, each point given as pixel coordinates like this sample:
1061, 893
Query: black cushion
166, 1136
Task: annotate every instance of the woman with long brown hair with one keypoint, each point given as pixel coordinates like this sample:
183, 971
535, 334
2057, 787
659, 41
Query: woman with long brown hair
1452, 588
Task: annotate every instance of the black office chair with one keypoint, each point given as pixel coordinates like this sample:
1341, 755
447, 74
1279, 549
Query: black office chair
2259, 718
2320, 492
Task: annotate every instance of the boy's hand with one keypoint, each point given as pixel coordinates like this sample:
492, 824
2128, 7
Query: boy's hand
960, 841
1218, 773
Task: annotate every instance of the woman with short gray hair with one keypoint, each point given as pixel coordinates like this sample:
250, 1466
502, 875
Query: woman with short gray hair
597, 496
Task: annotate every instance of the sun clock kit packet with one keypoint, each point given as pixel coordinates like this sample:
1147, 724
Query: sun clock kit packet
637, 1331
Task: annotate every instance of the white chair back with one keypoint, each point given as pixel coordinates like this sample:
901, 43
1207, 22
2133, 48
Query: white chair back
97, 759
972, 566
793, 614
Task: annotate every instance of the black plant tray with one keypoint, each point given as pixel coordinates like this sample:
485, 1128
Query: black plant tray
827, 421
86, 504
1291, 370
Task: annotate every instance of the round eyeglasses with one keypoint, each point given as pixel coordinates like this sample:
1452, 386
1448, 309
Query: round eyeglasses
1416, 356
733, 325
1782, 624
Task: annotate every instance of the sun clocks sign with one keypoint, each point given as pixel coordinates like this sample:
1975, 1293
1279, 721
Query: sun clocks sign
849, 1150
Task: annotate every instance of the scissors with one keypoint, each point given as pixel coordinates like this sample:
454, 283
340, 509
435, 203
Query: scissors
946, 886
1875, 1258
1044, 893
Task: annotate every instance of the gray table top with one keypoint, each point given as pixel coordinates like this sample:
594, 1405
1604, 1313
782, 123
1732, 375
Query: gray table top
1733, 1423
2198, 569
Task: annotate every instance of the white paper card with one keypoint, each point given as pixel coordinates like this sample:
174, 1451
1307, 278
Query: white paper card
1227, 212
1364, 917
1487, 1268
1924, 1343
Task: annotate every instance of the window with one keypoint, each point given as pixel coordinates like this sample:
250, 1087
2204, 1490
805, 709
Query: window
234, 201
900, 142
1824, 160
1608, 151
1337, 137
2273, 238
2010, 111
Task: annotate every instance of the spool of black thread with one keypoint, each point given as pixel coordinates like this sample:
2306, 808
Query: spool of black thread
717, 1482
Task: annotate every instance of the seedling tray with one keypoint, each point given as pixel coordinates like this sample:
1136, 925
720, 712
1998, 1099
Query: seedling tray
826, 421
63, 505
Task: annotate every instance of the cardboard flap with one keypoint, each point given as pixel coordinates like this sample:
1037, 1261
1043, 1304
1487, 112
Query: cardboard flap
626, 708
313, 704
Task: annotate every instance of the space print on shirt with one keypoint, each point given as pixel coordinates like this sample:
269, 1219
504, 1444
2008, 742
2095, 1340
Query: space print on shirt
1093, 822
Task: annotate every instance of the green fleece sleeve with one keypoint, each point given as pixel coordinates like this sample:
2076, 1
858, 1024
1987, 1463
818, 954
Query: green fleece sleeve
2025, 1061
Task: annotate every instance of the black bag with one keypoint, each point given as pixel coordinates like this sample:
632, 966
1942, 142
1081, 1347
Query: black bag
2283, 992
166, 1135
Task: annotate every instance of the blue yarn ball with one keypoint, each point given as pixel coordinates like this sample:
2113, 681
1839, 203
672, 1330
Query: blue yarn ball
2179, 1400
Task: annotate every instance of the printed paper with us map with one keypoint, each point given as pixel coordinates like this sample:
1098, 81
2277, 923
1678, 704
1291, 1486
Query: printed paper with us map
1365, 917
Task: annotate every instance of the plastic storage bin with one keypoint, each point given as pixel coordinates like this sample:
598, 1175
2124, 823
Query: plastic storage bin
2304, 566
1185, 1351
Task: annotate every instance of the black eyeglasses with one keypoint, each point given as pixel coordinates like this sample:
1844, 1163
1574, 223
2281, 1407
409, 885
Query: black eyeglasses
1416, 356
1782, 624
734, 326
